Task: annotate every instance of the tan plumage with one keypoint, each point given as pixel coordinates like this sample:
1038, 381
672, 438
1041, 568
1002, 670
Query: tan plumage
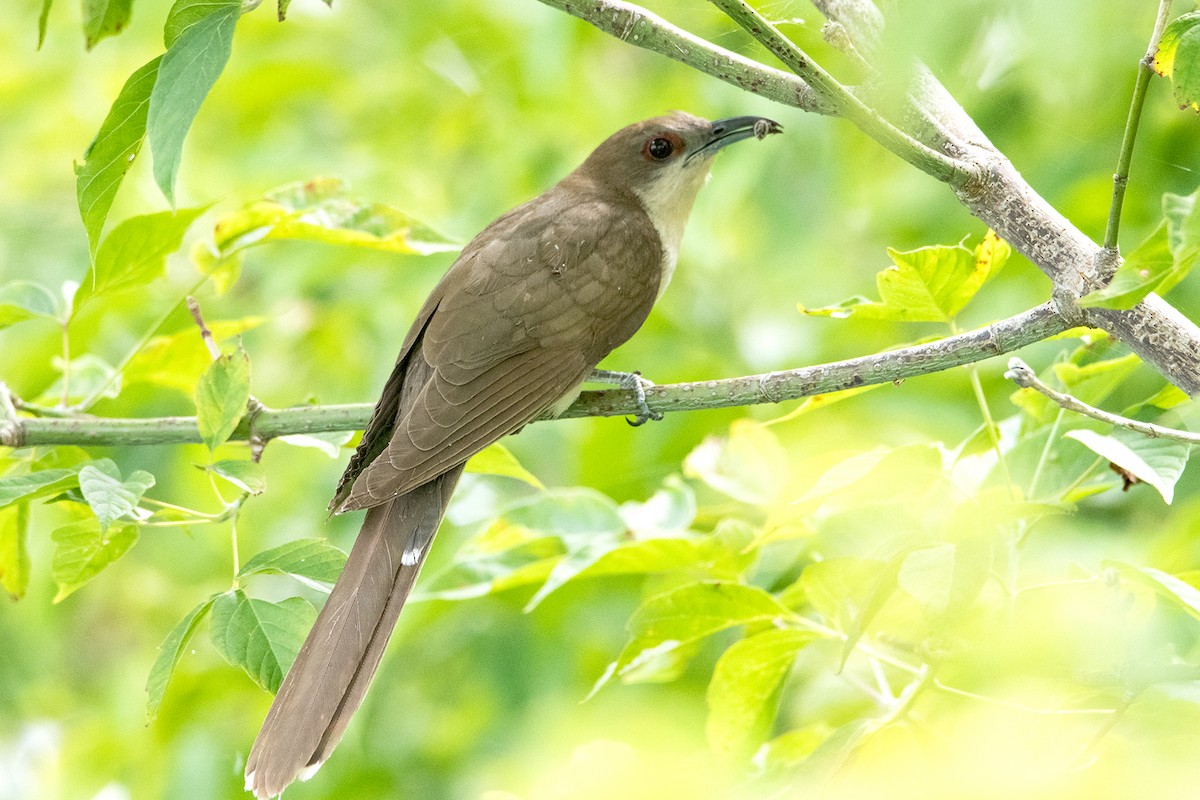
516, 325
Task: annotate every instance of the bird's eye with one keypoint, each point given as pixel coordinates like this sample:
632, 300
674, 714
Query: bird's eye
660, 148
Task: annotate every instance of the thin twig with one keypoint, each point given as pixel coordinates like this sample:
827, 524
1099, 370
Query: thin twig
1121, 176
1020, 374
894, 365
844, 102
635, 25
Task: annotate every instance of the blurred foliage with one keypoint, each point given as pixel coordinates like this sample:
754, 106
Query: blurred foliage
929, 590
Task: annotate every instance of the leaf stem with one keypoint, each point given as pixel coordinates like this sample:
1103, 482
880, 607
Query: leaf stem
1045, 456
1121, 176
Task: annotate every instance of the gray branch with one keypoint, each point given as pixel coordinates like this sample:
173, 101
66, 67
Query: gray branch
996, 192
774, 387
1020, 374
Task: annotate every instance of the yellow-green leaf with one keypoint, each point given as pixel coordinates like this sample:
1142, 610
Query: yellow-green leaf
499, 460
221, 397
323, 210
1178, 58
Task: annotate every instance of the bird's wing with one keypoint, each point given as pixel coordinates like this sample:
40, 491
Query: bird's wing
514, 332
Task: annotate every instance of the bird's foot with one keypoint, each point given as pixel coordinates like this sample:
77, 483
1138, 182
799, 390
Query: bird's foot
635, 383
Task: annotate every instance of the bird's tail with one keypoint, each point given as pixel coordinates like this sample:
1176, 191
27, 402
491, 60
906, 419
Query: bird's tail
327, 682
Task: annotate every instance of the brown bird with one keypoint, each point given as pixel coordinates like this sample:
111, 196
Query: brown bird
514, 328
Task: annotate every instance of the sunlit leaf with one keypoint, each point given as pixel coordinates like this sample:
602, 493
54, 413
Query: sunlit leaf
188, 71
818, 401
179, 359
1093, 382
1178, 58
83, 551
569, 513
750, 465
672, 508
1158, 462
22, 300
221, 397
112, 152
245, 475
86, 376
687, 614
328, 442
744, 680
1177, 592
222, 270
310, 559
108, 495
135, 252
613, 556
259, 636
504, 556
14, 550
323, 210
499, 460
184, 14
169, 653
104, 18
930, 284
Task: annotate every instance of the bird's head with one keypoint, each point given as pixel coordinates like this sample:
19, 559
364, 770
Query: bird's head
665, 160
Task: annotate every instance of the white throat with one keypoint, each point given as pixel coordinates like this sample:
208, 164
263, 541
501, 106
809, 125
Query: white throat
668, 202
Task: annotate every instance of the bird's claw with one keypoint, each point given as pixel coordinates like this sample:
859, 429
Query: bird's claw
639, 385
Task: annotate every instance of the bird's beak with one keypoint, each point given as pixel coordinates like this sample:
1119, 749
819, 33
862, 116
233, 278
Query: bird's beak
727, 131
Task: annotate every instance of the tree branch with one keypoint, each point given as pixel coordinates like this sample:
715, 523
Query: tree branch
774, 387
635, 25
1020, 374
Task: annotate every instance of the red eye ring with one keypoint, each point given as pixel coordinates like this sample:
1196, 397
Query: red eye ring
662, 147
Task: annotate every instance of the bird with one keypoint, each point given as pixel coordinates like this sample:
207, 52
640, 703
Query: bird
512, 331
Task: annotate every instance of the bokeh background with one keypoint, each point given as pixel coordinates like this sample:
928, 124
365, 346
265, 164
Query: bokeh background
455, 112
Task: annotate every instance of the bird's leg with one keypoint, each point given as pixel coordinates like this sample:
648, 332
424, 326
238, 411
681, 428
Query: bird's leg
635, 382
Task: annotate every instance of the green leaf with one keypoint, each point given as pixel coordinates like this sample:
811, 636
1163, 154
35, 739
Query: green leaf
109, 497
567, 513
104, 18
1178, 58
22, 300
930, 284
750, 465
260, 637
306, 559
222, 270
946, 578
186, 13
135, 252
1158, 462
88, 374
670, 510
33, 485
14, 550
179, 359
1142, 272
499, 460
188, 71
1093, 382
614, 556
743, 682
245, 475
169, 653
83, 550
688, 614
328, 442
1177, 592
221, 397
112, 152
43, 18
323, 210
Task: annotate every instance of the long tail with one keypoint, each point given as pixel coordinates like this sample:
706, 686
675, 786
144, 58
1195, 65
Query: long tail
327, 682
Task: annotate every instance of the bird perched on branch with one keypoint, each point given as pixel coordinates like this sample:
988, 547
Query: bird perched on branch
514, 329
